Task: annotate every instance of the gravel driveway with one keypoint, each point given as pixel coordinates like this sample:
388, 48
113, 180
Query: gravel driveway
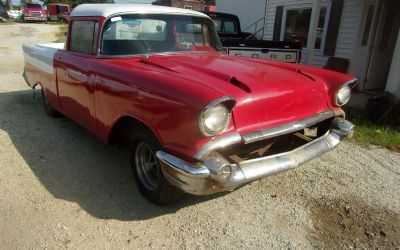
60, 187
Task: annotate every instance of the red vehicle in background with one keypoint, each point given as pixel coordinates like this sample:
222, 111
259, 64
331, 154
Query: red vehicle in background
59, 12
34, 12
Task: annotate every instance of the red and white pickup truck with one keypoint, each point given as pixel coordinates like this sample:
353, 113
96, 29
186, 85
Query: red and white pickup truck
196, 120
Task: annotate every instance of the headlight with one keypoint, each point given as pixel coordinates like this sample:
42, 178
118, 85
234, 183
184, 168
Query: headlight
342, 95
214, 120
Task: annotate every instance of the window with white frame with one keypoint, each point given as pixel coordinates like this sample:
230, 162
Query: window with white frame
296, 25
188, 7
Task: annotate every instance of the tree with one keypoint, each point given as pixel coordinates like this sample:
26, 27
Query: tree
23, 3
209, 2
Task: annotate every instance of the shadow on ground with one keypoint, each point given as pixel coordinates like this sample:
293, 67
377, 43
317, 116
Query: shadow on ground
74, 165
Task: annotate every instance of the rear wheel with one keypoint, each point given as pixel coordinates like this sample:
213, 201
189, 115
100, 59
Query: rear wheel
50, 111
147, 169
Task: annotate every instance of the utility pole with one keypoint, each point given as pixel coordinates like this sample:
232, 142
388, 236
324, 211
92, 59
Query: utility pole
10, 5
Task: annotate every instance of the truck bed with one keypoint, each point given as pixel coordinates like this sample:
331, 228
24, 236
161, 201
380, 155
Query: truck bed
39, 56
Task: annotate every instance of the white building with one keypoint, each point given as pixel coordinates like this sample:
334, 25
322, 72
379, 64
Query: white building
361, 33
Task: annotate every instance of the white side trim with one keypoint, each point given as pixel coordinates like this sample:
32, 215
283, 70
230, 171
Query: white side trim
41, 55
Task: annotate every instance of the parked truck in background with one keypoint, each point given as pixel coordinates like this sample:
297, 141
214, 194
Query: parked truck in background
59, 12
245, 44
34, 12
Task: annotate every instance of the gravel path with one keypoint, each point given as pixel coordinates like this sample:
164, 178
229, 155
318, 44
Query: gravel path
60, 187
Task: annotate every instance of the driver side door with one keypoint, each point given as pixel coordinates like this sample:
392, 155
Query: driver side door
76, 74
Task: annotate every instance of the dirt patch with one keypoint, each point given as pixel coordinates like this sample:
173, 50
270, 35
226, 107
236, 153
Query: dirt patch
354, 224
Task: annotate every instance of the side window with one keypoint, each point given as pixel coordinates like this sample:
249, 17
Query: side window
229, 27
83, 37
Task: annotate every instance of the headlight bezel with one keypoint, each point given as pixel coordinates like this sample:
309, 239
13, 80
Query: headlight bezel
349, 85
227, 102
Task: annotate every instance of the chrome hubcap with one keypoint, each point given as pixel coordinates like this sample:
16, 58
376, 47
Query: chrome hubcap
147, 166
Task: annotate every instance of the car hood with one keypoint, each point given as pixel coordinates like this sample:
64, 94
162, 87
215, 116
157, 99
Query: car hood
266, 94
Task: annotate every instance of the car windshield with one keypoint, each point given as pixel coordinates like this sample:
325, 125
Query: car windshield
33, 6
146, 34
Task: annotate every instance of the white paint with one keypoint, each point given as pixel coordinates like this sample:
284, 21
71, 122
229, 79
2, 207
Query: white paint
393, 82
316, 8
41, 55
107, 10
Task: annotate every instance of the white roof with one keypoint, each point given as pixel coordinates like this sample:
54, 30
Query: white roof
107, 10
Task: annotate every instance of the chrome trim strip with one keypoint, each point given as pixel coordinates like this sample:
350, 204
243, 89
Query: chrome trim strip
217, 143
212, 104
183, 167
287, 128
351, 83
218, 101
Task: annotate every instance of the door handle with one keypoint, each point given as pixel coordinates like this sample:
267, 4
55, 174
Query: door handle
76, 75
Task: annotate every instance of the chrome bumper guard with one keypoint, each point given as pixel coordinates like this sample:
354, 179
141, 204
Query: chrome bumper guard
201, 178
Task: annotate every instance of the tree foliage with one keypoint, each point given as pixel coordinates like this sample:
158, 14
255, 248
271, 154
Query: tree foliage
210, 2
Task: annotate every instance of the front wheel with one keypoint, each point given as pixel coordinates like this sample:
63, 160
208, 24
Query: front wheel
147, 169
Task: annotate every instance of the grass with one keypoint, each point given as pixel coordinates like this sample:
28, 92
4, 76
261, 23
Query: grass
369, 133
9, 21
61, 33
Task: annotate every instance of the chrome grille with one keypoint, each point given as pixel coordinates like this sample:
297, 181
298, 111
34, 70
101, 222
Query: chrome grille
35, 13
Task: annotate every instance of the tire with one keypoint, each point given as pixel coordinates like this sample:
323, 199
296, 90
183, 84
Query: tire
149, 178
47, 108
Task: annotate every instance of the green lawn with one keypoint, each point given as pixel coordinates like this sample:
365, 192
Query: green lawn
61, 33
368, 133
9, 21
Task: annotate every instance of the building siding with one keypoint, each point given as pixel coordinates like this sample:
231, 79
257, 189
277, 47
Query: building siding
348, 30
196, 5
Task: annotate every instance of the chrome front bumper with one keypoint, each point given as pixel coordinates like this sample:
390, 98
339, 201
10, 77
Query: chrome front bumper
199, 179
35, 18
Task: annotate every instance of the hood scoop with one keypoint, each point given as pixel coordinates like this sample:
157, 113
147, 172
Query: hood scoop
180, 66
240, 85
305, 74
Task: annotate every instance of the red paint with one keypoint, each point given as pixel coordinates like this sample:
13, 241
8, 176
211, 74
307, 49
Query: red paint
168, 92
